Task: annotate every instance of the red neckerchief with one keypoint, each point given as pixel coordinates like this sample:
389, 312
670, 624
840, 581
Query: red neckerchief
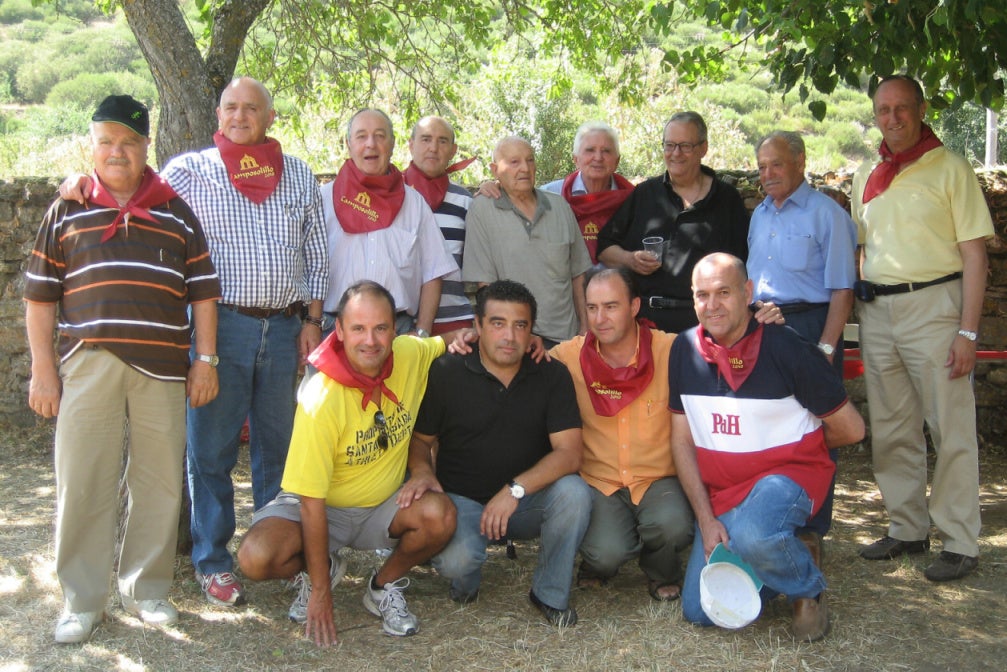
433, 189
736, 362
612, 389
152, 191
594, 210
254, 170
365, 203
891, 163
330, 358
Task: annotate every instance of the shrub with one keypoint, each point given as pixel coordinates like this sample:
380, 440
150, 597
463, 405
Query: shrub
39, 73
17, 11
88, 89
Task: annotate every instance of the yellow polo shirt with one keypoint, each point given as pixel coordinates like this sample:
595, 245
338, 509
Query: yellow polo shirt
912, 230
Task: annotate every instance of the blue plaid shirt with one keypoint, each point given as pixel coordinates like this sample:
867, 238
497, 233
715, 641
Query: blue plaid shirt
268, 255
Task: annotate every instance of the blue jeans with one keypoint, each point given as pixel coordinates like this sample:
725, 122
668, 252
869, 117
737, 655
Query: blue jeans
559, 514
761, 531
257, 374
809, 324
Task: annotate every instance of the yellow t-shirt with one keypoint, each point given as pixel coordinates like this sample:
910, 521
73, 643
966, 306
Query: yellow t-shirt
912, 230
334, 451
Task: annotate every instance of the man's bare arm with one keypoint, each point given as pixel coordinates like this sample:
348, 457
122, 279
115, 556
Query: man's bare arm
45, 387
843, 427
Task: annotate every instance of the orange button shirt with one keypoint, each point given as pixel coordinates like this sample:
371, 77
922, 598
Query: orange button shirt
631, 449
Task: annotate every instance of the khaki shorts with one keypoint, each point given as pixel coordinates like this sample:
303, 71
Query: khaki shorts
362, 528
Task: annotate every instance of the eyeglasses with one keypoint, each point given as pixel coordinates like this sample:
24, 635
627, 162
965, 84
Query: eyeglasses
684, 147
382, 425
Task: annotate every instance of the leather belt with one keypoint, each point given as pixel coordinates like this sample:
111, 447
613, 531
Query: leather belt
668, 303
799, 307
884, 290
266, 313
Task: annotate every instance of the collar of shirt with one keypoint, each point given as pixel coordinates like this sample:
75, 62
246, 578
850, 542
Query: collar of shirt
799, 198
541, 205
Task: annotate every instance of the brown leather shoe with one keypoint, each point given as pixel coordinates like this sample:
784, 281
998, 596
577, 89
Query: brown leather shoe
811, 618
813, 541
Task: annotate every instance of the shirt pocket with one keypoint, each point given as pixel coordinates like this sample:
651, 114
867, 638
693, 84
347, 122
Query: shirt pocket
555, 258
288, 228
397, 245
796, 251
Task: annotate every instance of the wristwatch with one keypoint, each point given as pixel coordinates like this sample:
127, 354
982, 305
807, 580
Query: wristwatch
317, 321
971, 335
423, 333
212, 360
826, 348
516, 490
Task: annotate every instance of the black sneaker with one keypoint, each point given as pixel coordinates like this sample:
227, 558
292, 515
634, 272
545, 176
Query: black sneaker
949, 566
887, 548
558, 617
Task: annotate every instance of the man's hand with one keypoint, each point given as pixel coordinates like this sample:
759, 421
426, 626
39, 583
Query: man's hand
416, 487
713, 533
767, 312
320, 626
537, 349
44, 392
961, 357
310, 337
489, 189
459, 345
75, 188
201, 385
493, 524
642, 262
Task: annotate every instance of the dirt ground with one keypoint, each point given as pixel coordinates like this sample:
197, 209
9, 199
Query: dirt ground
886, 616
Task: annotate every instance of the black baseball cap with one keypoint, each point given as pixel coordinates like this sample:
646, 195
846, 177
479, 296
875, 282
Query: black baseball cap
124, 110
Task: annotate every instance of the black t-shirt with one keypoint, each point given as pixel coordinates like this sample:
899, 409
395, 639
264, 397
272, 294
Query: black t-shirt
487, 433
718, 223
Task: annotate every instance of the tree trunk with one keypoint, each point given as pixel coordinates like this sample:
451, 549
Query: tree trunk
188, 85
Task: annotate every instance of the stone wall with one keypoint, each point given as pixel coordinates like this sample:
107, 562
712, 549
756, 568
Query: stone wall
24, 201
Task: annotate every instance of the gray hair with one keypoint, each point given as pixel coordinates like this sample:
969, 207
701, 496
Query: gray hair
689, 117
349, 124
795, 143
594, 127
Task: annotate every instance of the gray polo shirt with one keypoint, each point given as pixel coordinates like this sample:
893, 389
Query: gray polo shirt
544, 254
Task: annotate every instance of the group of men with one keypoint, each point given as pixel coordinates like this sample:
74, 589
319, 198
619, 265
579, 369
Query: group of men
631, 443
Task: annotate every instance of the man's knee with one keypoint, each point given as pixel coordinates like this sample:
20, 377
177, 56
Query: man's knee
571, 496
268, 545
460, 559
433, 516
604, 554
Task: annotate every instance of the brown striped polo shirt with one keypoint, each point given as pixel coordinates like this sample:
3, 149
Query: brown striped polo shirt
130, 294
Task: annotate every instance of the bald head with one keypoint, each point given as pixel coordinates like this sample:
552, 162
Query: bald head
245, 112
432, 145
514, 166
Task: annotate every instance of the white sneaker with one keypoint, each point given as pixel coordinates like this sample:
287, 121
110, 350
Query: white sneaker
155, 612
75, 628
390, 605
298, 611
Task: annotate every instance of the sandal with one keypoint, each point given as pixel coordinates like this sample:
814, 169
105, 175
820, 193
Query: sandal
654, 588
587, 579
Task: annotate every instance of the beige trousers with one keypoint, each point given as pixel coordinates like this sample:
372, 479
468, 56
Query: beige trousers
100, 393
905, 339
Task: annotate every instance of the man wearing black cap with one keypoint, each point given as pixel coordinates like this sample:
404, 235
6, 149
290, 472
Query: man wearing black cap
116, 278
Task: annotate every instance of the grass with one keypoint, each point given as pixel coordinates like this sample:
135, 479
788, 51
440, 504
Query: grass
886, 616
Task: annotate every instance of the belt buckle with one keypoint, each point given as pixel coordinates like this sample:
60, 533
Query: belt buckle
650, 301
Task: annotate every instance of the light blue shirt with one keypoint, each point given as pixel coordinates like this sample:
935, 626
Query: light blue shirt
578, 187
803, 250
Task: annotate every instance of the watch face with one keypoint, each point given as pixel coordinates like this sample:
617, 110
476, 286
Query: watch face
517, 491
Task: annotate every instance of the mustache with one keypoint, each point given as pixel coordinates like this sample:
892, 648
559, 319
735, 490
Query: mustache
117, 162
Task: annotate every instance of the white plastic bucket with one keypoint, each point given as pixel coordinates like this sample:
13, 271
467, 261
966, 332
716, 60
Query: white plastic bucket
728, 595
